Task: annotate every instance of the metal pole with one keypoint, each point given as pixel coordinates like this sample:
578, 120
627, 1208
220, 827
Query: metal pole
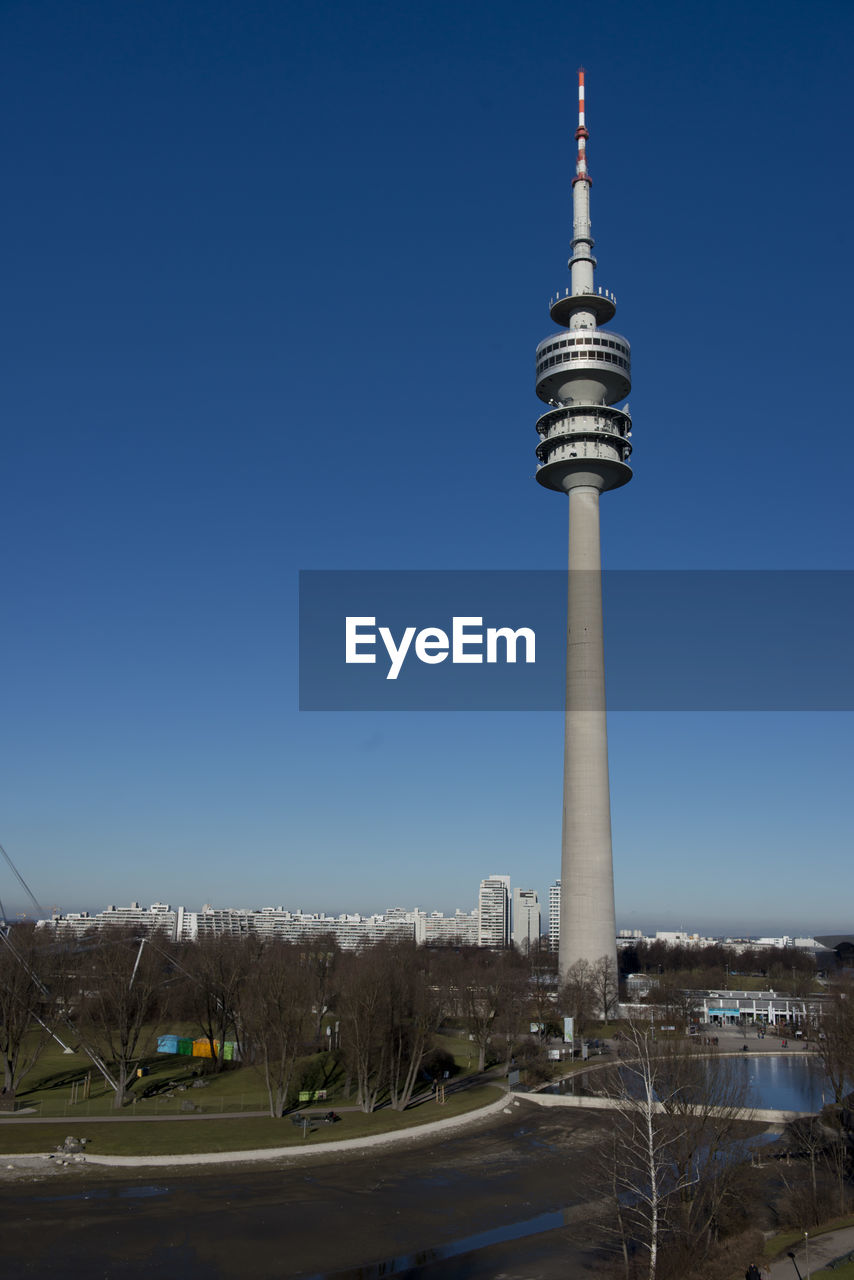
136, 965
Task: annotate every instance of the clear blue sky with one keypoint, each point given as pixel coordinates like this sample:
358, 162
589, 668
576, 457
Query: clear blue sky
273, 279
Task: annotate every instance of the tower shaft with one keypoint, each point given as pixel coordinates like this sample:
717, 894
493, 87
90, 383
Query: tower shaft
587, 924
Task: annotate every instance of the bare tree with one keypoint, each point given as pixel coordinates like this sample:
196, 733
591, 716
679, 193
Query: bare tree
321, 956
276, 1014
677, 1005
414, 1013
121, 985
705, 1097
543, 985
642, 1182
577, 996
364, 998
218, 969
513, 1023
487, 983
28, 1005
671, 1123
606, 986
833, 1032
819, 1165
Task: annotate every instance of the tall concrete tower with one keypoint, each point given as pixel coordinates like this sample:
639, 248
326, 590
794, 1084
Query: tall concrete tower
582, 373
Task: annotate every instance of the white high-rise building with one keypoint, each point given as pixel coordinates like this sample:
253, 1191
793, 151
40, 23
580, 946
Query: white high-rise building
526, 920
493, 928
554, 916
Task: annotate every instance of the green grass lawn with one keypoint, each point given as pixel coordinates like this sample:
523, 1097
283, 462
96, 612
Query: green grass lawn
50, 1089
845, 1272
461, 1049
183, 1136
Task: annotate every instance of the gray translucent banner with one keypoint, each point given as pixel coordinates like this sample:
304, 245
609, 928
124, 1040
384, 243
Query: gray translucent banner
711, 640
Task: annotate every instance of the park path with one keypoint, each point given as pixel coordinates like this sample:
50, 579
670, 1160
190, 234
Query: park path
762, 1115
339, 1145
822, 1249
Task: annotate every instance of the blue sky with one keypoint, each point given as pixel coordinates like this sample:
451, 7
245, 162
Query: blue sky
273, 279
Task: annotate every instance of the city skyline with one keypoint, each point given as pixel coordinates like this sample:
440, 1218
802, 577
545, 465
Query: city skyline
473, 928
192, 195
546, 910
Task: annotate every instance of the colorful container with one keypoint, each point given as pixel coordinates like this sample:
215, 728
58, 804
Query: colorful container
185, 1046
202, 1048
167, 1044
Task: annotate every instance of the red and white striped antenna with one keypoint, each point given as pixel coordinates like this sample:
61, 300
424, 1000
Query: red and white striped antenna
581, 134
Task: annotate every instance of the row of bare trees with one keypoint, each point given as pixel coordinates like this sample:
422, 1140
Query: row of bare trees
110, 993
714, 965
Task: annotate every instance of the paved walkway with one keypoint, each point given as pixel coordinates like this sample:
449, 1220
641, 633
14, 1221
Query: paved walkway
731, 1039
334, 1148
822, 1250
764, 1115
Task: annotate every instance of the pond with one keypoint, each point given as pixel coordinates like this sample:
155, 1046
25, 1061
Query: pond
778, 1081
785, 1081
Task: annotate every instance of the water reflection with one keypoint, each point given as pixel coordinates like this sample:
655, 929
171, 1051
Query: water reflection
468, 1244
778, 1081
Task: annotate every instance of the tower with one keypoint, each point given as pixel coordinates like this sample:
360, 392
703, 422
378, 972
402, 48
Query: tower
582, 373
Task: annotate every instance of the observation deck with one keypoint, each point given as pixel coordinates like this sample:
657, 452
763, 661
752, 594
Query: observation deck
584, 365
603, 306
584, 445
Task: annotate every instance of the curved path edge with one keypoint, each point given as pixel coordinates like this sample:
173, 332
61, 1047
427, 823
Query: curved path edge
331, 1148
764, 1115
